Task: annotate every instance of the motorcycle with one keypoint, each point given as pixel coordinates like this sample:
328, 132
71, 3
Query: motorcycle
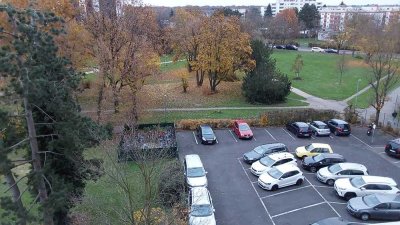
370, 128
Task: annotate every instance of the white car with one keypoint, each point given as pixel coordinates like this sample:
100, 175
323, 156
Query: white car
328, 175
281, 176
194, 171
365, 185
317, 49
320, 128
270, 161
201, 209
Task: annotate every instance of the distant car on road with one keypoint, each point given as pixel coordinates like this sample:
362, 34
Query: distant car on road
263, 150
314, 163
339, 127
267, 162
393, 148
331, 50
242, 129
313, 149
320, 128
291, 47
281, 176
317, 49
206, 134
300, 129
279, 46
375, 206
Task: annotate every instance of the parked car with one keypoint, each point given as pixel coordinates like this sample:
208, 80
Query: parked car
263, 150
201, 209
270, 161
365, 185
393, 148
335, 221
339, 127
317, 49
242, 129
328, 175
279, 46
281, 176
194, 171
375, 206
331, 50
300, 129
291, 47
313, 149
320, 128
314, 163
206, 134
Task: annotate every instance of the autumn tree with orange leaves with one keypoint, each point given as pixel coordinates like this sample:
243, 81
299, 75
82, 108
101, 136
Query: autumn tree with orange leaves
284, 27
223, 49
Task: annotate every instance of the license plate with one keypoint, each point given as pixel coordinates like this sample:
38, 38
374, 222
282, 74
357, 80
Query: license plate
345, 130
209, 141
391, 150
306, 134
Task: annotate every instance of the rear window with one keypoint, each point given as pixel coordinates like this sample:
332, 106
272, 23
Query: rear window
322, 126
345, 126
394, 145
303, 128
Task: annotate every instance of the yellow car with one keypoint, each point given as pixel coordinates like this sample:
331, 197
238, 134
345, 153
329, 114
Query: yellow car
313, 149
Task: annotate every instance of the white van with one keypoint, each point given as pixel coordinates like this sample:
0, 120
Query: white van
194, 171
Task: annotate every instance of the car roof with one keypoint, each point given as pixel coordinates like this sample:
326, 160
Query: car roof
272, 145
301, 124
339, 121
320, 145
194, 160
206, 127
379, 180
280, 155
348, 165
388, 197
397, 141
287, 168
331, 155
200, 196
319, 122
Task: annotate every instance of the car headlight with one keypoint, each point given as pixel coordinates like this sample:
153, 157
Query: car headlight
202, 138
215, 138
268, 183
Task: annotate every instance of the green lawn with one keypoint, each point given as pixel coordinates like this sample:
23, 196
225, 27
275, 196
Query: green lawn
320, 76
165, 67
303, 42
366, 98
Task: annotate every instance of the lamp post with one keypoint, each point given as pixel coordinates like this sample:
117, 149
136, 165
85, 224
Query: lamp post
358, 84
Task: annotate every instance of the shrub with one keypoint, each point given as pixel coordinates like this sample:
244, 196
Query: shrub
358, 57
172, 184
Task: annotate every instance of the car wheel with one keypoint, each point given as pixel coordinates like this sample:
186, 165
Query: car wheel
315, 133
365, 216
274, 188
313, 169
336, 133
349, 196
330, 182
299, 181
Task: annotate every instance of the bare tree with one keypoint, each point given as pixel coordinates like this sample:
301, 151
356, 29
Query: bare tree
341, 66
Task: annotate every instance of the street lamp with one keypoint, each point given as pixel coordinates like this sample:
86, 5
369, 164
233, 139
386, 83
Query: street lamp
358, 84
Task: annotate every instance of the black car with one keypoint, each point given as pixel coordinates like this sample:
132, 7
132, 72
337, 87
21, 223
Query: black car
206, 134
279, 46
393, 148
335, 221
263, 150
291, 47
331, 50
314, 163
339, 127
300, 129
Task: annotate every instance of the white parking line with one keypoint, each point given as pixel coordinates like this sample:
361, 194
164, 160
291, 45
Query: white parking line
340, 203
270, 134
289, 134
294, 210
312, 137
254, 138
232, 135
194, 135
330, 136
265, 208
396, 162
284, 192
216, 140
360, 140
322, 186
323, 197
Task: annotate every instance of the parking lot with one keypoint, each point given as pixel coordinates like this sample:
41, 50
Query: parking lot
239, 200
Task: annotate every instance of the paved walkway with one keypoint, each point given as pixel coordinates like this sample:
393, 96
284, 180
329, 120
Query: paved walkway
320, 103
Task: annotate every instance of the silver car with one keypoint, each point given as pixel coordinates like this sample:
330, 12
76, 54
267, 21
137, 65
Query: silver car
320, 128
329, 174
376, 206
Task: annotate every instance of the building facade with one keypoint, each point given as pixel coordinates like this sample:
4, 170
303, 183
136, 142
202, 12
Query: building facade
286, 4
333, 18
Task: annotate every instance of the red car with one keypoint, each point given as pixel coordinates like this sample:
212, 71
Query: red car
242, 129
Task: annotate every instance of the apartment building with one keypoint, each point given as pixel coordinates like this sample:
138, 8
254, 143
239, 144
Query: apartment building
286, 4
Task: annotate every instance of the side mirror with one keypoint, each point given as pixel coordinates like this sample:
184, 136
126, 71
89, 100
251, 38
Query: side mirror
362, 188
184, 173
206, 172
213, 210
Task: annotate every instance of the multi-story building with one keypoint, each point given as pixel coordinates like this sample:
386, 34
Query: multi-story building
286, 4
333, 18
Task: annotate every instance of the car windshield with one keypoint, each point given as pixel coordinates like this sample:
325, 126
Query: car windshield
371, 200
318, 158
275, 173
196, 172
335, 168
357, 182
309, 147
322, 127
243, 127
201, 210
260, 150
304, 129
267, 161
207, 130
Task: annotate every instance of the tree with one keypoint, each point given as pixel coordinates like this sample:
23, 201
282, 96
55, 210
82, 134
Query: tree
283, 27
44, 83
229, 12
341, 66
265, 84
310, 16
183, 75
223, 49
298, 66
268, 11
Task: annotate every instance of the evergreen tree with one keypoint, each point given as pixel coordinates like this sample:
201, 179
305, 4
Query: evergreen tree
265, 84
58, 134
310, 16
268, 11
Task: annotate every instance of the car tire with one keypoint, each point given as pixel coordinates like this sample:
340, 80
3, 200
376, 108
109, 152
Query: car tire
274, 188
349, 196
299, 182
330, 182
364, 216
313, 169
336, 133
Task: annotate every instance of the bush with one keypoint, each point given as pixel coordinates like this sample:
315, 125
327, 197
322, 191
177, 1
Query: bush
358, 57
172, 184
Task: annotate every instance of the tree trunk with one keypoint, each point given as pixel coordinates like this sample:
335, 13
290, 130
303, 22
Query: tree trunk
377, 114
135, 114
199, 77
36, 163
16, 196
100, 100
115, 98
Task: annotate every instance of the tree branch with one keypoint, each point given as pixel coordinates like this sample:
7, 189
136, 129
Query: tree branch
11, 147
55, 153
44, 112
33, 202
48, 182
15, 183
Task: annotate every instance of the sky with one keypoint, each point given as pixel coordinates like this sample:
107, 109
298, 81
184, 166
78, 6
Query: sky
171, 3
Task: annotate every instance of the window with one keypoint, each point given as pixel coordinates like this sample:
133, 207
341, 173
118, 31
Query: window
357, 172
382, 206
324, 150
383, 187
395, 205
371, 187
345, 172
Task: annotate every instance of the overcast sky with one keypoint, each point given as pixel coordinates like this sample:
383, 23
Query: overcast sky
256, 2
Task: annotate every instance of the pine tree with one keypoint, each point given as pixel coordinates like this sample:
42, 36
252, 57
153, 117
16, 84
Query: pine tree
265, 84
58, 134
310, 16
268, 11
